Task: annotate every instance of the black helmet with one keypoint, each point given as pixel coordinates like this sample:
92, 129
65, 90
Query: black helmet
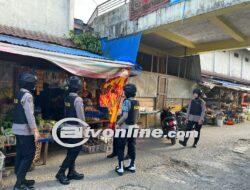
130, 90
27, 81
74, 83
197, 91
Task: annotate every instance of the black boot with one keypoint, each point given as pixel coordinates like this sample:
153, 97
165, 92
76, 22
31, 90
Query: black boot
74, 175
183, 143
112, 155
119, 170
194, 145
21, 187
61, 177
29, 183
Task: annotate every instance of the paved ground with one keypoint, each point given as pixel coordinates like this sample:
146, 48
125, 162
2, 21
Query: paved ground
221, 161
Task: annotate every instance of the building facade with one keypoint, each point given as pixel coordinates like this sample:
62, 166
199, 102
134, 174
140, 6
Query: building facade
233, 65
53, 17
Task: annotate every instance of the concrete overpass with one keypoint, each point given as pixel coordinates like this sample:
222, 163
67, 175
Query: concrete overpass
204, 25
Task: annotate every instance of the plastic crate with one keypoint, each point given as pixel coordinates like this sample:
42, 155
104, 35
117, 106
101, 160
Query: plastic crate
2, 158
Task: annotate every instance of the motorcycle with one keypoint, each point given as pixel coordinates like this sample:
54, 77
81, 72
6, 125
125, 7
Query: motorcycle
169, 124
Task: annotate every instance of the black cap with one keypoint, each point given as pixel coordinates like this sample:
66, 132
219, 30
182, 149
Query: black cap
27, 80
197, 91
130, 90
74, 83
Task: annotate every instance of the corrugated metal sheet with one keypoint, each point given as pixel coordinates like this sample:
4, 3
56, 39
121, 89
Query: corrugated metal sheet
33, 35
234, 86
48, 47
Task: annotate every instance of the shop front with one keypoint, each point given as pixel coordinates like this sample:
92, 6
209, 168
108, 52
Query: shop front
225, 102
53, 64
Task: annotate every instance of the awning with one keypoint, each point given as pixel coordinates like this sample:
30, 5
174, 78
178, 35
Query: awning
75, 61
215, 82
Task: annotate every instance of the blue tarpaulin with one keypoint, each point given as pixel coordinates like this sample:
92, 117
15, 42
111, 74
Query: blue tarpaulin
122, 49
175, 1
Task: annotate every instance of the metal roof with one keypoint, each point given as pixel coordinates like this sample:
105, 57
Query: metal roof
33, 35
47, 46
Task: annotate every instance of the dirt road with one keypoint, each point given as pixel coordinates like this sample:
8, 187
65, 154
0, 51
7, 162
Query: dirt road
221, 161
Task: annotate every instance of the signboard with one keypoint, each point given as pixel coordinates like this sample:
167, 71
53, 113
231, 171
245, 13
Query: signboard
138, 8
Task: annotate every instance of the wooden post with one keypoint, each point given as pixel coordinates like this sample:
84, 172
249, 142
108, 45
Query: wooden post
166, 61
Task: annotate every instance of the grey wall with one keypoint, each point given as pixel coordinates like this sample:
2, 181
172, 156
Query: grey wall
116, 23
147, 84
225, 63
53, 17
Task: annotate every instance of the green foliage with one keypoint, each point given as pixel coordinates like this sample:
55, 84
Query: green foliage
87, 41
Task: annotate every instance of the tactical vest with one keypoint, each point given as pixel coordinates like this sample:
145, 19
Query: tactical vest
196, 107
133, 114
19, 116
70, 110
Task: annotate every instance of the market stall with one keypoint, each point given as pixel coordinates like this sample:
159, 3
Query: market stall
52, 65
224, 102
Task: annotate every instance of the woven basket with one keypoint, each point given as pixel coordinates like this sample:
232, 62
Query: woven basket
38, 152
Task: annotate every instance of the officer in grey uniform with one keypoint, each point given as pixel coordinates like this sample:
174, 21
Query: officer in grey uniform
195, 116
25, 129
73, 109
129, 119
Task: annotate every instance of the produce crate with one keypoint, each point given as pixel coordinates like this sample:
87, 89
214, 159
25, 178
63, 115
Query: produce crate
105, 147
90, 149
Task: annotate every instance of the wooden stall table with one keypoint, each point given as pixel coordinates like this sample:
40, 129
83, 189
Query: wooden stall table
44, 149
146, 115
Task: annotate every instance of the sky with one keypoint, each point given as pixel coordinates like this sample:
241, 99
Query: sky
85, 8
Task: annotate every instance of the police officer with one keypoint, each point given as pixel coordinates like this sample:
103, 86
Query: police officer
128, 120
73, 109
25, 129
195, 116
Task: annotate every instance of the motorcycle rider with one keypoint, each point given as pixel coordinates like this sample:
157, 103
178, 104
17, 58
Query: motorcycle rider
73, 109
128, 120
195, 116
25, 129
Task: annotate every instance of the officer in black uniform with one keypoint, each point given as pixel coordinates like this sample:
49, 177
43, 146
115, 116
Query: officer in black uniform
25, 129
128, 120
195, 116
73, 109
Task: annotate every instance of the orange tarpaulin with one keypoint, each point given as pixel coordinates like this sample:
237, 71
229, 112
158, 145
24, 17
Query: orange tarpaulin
111, 94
